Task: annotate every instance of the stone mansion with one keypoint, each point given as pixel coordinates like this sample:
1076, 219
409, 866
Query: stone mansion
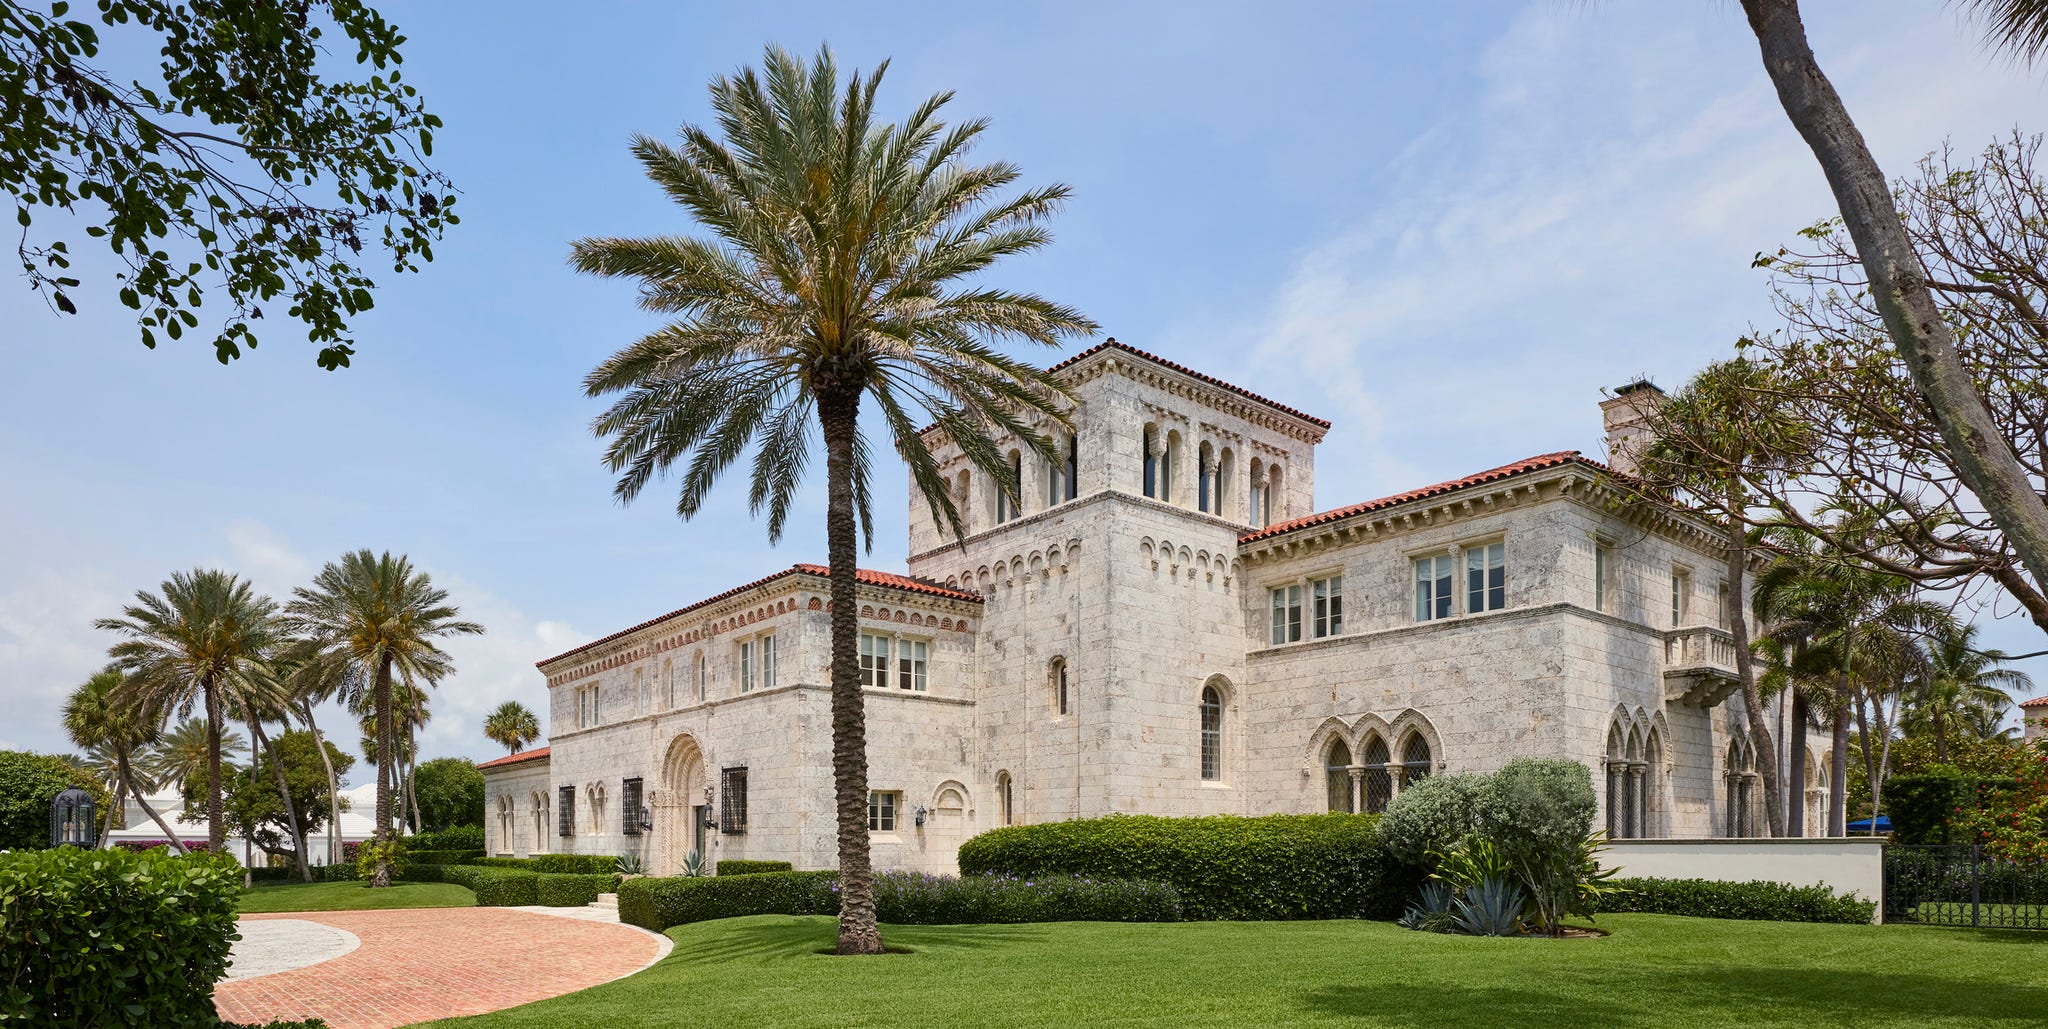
1168, 625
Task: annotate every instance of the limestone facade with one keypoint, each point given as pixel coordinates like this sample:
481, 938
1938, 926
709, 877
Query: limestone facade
1111, 644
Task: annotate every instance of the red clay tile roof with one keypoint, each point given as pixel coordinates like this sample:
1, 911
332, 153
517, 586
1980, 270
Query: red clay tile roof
1527, 464
524, 755
2036, 702
1112, 344
867, 576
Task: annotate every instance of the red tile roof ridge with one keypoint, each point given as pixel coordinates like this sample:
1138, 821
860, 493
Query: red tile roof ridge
513, 759
2036, 702
1113, 344
873, 578
1527, 464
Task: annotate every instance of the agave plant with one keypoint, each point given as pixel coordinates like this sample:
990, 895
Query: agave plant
1433, 912
694, 865
629, 864
1491, 907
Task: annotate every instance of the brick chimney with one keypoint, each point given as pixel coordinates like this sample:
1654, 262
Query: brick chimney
1626, 418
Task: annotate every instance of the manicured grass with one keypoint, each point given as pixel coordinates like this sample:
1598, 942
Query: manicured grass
1655, 970
354, 896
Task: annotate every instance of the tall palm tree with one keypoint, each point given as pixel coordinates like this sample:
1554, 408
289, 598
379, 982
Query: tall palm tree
310, 683
255, 700
410, 704
187, 646
119, 735
831, 276
512, 726
1898, 279
1964, 686
379, 613
181, 752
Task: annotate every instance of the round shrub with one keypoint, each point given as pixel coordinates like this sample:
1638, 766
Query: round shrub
1537, 807
1431, 816
1224, 867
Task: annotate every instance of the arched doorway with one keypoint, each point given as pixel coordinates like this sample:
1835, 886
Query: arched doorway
680, 813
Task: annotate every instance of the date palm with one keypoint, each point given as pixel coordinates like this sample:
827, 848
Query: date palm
116, 737
190, 645
378, 613
832, 276
181, 752
1963, 686
512, 726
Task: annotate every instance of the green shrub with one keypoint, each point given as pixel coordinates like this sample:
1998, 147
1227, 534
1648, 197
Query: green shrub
753, 867
310, 1023
1758, 901
442, 857
657, 903
1431, 816
572, 891
372, 851
1224, 867
28, 783
494, 887
554, 864
1926, 807
279, 874
461, 837
1536, 807
343, 872
918, 898
108, 937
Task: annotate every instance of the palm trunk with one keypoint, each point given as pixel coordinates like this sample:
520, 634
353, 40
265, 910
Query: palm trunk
1884, 765
113, 806
381, 876
839, 416
284, 790
1898, 284
1863, 738
170, 834
412, 764
216, 836
1745, 663
1795, 799
333, 785
1838, 761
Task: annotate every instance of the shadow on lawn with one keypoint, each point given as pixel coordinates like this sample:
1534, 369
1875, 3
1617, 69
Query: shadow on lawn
805, 937
1797, 996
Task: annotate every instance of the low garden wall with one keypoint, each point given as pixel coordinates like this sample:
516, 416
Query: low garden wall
1848, 865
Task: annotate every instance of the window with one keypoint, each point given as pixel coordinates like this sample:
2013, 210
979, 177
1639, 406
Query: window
586, 707
1259, 518
1062, 473
1328, 608
1203, 466
911, 664
874, 661
1377, 784
1004, 801
732, 801
1060, 700
1286, 623
1415, 763
668, 683
1151, 443
1073, 477
540, 821
703, 678
565, 812
747, 667
1721, 608
882, 811
1603, 573
629, 807
1013, 487
766, 645
1486, 578
1681, 596
757, 664
1337, 776
1212, 734
1433, 587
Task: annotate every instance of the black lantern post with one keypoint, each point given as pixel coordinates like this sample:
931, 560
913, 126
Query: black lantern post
71, 819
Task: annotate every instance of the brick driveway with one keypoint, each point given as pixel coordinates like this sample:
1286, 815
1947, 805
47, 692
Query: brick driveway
423, 964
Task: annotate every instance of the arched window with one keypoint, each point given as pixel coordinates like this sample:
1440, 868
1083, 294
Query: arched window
1073, 477
540, 822
703, 678
1169, 467
1415, 763
1257, 514
1005, 802
1377, 784
1212, 734
1337, 776
1151, 443
1740, 779
1058, 681
1276, 495
1226, 467
668, 683
963, 501
1010, 493
1205, 467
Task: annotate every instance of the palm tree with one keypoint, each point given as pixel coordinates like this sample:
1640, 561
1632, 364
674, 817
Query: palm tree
181, 752
257, 699
1963, 686
1898, 280
831, 276
512, 726
412, 715
188, 646
116, 737
378, 613
309, 684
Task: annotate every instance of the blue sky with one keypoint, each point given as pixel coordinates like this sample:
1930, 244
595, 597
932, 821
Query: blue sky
1445, 234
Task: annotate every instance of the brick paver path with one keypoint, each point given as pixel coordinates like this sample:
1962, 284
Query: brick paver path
423, 964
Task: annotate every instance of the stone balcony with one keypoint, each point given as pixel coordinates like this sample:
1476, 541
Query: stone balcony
1699, 666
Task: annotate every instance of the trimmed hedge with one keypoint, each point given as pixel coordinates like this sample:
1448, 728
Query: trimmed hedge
554, 864
494, 887
461, 837
1224, 867
916, 898
753, 867
658, 903
106, 937
572, 891
278, 874
442, 857
343, 872
1756, 901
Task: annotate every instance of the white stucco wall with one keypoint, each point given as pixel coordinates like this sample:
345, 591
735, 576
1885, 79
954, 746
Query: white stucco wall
1845, 865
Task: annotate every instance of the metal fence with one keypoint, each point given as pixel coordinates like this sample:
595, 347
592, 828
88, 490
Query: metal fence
1963, 886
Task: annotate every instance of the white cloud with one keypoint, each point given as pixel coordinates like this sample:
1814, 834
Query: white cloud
48, 646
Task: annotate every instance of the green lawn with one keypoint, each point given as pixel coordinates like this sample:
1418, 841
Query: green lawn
1654, 971
354, 896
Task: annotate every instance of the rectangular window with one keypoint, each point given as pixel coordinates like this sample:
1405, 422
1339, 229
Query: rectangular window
910, 660
1433, 587
668, 683
732, 801
1603, 569
766, 646
1328, 609
881, 812
565, 812
1681, 597
629, 807
747, 667
586, 707
703, 676
1486, 578
874, 661
1286, 625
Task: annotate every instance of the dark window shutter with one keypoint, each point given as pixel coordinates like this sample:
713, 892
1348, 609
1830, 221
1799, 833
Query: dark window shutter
732, 801
565, 812
629, 806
